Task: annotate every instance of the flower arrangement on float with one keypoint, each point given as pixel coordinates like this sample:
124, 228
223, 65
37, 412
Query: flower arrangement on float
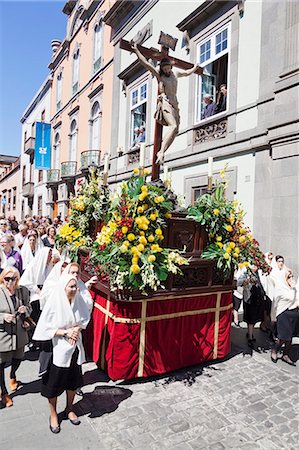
91, 202
129, 249
230, 242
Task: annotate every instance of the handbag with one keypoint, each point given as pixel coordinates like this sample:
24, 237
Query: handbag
28, 323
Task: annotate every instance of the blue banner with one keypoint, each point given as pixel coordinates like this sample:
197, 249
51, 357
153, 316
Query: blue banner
42, 153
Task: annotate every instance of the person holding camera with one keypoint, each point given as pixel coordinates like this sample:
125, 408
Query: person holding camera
253, 300
14, 310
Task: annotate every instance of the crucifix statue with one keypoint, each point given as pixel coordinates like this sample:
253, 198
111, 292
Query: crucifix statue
167, 112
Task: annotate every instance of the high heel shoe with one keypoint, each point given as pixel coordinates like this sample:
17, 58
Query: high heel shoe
54, 430
13, 384
288, 360
274, 357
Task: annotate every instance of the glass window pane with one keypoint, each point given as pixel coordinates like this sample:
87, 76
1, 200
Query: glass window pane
134, 97
143, 92
205, 51
221, 41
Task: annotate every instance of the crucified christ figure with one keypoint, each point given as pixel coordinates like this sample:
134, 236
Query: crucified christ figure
167, 113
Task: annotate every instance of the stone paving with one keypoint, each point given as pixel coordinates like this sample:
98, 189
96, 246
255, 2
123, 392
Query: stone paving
243, 402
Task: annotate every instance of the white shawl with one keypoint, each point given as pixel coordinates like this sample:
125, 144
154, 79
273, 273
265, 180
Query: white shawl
50, 283
278, 275
26, 252
285, 298
36, 273
82, 288
58, 313
3, 259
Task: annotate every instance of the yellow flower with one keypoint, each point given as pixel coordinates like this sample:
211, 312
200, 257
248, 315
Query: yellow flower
232, 245
229, 228
124, 248
144, 227
147, 171
242, 239
220, 245
237, 250
144, 188
219, 238
241, 265
131, 237
160, 237
76, 234
140, 209
168, 215
140, 247
236, 255
134, 249
145, 206
228, 250
77, 244
216, 212
242, 230
142, 240
135, 259
151, 238
226, 256
151, 258
135, 269
158, 232
246, 263
136, 171
69, 238
124, 230
127, 243
153, 216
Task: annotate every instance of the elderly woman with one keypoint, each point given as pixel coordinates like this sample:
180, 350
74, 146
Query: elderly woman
74, 269
13, 257
14, 308
285, 310
64, 315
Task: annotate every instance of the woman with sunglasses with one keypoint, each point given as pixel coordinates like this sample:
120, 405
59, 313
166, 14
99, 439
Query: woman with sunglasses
285, 311
14, 308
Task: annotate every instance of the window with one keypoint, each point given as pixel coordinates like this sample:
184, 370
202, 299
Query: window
97, 47
9, 198
75, 77
14, 200
56, 151
24, 175
58, 91
40, 176
39, 205
43, 115
95, 127
198, 192
73, 141
138, 111
213, 54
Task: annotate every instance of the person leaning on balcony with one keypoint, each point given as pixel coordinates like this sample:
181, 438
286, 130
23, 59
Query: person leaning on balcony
209, 109
14, 308
21, 236
13, 257
221, 102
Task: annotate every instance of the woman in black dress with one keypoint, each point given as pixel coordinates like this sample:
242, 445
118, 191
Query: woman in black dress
253, 300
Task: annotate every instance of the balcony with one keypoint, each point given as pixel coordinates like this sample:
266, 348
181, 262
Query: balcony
29, 146
53, 176
68, 169
90, 158
28, 190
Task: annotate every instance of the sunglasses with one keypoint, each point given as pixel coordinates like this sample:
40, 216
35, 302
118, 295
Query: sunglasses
10, 278
3, 224
290, 276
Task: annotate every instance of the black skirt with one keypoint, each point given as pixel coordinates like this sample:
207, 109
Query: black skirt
287, 324
59, 379
253, 310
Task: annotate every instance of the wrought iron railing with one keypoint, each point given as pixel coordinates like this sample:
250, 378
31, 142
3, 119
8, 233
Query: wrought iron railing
90, 158
68, 169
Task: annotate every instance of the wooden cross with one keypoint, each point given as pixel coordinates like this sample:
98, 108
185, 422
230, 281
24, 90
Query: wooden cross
166, 42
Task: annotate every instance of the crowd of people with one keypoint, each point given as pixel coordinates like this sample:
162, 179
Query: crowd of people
45, 304
271, 299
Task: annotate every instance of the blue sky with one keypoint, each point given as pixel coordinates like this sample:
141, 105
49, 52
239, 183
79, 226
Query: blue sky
26, 31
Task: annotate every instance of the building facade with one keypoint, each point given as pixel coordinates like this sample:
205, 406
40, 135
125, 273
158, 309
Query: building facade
32, 182
9, 186
249, 47
81, 73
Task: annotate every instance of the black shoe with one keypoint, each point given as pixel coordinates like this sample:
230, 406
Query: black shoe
236, 324
54, 430
250, 343
288, 360
73, 421
274, 357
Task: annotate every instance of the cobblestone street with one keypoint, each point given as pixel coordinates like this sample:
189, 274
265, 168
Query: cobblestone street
243, 402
